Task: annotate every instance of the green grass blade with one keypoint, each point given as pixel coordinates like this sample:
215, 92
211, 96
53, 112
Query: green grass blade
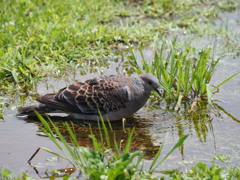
226, 80
48, 130
167, 89
75, 155
156, 158
209, 94
51, 152
225, 164
105, 129
178, 144
50, 134
66, 146
178, 105
129, 141
100, 131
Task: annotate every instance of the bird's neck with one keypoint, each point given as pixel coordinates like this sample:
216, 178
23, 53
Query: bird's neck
139, 94
138, 84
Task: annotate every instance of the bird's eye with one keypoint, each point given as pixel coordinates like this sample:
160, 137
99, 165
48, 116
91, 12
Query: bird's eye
150, 82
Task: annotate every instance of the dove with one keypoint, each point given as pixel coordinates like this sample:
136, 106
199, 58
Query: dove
115, 96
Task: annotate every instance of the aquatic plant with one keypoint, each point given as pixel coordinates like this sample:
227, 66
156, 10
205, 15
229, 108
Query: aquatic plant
103, 160
183, 73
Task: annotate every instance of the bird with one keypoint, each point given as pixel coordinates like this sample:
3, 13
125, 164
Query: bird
115, 96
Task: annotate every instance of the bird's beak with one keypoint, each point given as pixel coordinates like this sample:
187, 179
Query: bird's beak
158, 91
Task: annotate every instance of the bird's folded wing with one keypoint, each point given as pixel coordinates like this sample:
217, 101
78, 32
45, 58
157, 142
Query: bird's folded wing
101, 93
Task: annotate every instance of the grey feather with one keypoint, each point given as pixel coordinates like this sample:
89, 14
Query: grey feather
116, 96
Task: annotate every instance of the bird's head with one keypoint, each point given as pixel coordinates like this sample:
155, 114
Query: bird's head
150, 83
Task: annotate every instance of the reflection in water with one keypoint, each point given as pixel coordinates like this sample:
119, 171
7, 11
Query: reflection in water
196, 123
50, 174
82, 129
225, 112
199, 123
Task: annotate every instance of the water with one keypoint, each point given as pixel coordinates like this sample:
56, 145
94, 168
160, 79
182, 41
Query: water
214, 130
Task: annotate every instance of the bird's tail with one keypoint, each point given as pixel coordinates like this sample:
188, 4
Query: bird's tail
29, 110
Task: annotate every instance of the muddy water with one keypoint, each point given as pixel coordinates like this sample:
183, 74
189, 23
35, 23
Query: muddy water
213, 130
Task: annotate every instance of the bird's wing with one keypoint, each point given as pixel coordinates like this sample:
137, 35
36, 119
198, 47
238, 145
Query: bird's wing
105, 93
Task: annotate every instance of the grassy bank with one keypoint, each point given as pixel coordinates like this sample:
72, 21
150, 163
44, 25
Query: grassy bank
39, 38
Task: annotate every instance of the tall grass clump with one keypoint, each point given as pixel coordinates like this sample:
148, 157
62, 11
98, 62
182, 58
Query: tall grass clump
184, 73
104, 161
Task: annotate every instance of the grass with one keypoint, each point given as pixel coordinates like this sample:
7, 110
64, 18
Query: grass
111, 161
53, 36
200, 171
183, 73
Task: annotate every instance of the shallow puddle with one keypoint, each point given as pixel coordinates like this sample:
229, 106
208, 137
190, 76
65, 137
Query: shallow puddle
213, 129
